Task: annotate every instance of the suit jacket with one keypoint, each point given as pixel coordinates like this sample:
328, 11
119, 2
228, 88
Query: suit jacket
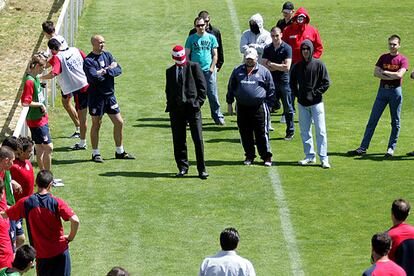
194, 86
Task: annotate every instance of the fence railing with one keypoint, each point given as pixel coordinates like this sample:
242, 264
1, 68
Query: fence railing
66, 25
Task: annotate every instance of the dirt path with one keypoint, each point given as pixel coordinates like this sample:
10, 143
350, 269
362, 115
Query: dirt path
20, 37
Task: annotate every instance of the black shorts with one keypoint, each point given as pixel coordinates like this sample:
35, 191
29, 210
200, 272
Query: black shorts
41, 135
98, 105
58, 265
81, 100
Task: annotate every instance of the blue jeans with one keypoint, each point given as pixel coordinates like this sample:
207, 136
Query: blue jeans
317, 113
283, 89
212, 94
394, 98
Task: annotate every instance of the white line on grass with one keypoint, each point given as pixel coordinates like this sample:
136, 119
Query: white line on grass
284, 214
287, 228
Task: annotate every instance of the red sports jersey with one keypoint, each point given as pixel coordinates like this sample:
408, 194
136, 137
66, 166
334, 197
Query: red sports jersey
43, 214
22, 172
6, 250
27, 98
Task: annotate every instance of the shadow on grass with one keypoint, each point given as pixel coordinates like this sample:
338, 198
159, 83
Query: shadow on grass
139, 174
62, 149
379, 157
69, 161
215, 128
220, 140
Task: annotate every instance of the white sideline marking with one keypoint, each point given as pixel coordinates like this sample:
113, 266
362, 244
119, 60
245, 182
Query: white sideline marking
284, 214
287, 228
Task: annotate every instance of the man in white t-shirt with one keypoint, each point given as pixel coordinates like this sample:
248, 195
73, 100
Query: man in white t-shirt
50, 32
227, 262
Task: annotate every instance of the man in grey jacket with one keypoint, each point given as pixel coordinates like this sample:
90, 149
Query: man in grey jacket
252, 85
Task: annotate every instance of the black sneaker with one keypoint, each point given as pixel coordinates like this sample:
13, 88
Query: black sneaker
289, 136
78, 147
358, 152
97, 158
124, 155
76, 134
411, 153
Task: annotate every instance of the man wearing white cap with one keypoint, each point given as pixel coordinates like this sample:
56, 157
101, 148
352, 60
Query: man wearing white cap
185, 90
252, 86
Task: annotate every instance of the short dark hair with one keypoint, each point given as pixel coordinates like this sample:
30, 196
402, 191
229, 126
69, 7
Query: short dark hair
44, 178
400, 209
117, 271
26, 142
54, 44
381, 243
24, 255
394, 36
275, 28
198, 18
229, 239
48, 27
1, 186
37, 58
12, 142
6, 152
203, 14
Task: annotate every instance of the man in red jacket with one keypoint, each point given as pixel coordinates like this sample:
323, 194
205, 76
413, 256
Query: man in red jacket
300, 30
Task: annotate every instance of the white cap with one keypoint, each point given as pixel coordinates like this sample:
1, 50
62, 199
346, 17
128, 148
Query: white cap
250, 53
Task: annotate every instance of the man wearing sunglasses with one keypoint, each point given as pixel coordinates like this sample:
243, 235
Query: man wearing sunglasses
201, 47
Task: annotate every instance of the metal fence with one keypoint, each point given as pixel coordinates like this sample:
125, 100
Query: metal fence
66, 26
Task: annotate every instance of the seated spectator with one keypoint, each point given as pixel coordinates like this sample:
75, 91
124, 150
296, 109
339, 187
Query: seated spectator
402, 235
117, 271
382, 265
22, 263
227, 262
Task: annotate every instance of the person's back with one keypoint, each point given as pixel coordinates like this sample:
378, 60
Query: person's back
226, 263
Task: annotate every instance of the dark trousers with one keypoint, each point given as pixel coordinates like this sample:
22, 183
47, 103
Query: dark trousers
179, 118
252, 123
283, 89
55, 266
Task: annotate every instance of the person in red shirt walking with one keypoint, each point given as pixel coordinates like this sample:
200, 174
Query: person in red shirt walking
43, 213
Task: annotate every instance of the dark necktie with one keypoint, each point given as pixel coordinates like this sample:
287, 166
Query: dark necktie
181, 98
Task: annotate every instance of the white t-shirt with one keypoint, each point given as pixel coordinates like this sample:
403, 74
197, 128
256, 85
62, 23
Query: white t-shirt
226, 263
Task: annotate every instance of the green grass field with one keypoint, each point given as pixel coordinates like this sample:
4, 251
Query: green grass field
137, 215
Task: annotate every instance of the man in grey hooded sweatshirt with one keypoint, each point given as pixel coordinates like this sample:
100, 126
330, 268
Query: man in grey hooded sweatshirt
309, 79
255, 37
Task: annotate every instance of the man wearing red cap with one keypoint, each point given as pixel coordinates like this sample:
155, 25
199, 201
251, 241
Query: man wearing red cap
186, 92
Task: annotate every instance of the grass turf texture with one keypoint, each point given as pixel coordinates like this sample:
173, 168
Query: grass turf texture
137, 215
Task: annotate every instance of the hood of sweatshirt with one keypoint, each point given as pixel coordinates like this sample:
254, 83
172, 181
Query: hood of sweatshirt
309, 44
300, 11
258, 19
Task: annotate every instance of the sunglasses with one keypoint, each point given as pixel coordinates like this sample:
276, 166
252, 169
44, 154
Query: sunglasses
200, 25
305, 49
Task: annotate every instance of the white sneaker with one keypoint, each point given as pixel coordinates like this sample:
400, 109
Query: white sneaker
271, 128
389, 153
57, 183
283, 119
325, 164
307, 161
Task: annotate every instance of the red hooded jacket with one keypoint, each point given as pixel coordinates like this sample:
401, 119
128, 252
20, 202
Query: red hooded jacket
295, 33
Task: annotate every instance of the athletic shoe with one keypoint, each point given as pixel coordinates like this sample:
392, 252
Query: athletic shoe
289, 137
248, 161
97, 158
78, 147
76, 134
283, 119
389, 153
358, 152
268, 162
307, 161
325, 164
411, 153
57, 183
271, 128
220, 122
124, 155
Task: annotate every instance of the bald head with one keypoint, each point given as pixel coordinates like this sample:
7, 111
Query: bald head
98, 43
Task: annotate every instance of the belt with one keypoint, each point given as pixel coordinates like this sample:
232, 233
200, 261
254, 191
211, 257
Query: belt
389, 86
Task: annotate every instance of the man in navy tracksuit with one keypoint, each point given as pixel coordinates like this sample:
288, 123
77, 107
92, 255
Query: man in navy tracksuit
252, 86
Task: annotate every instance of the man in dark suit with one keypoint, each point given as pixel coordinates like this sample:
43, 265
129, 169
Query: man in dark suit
186, 92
